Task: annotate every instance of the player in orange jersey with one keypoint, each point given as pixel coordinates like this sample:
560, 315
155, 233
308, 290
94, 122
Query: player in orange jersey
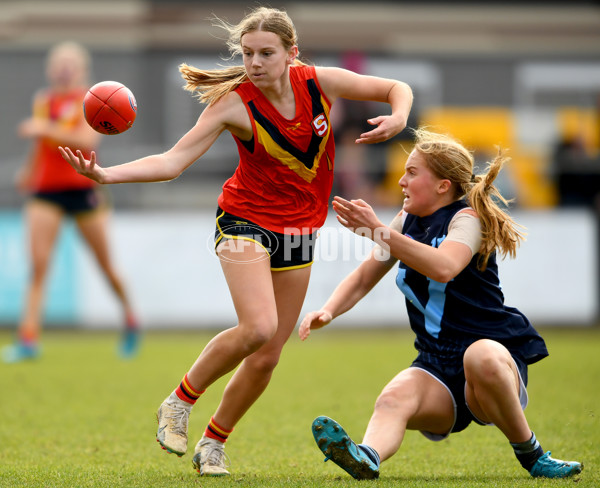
56, 190
277, 109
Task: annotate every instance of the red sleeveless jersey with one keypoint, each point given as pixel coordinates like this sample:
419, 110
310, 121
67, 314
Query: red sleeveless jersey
285, 172
50, 171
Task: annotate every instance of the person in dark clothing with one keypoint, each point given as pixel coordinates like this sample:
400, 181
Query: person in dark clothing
473, 350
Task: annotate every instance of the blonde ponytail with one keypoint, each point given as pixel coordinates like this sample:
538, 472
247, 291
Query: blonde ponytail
210, 86
448, 159
499, 230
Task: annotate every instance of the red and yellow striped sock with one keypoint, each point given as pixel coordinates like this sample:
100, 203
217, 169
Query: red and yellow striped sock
28, 337
216, 432
186, 393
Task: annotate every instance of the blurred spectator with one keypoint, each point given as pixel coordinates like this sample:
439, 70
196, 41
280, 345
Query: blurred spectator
577, 174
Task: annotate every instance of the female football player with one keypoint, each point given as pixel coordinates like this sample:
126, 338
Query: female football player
473, 350
56, 190
277, 110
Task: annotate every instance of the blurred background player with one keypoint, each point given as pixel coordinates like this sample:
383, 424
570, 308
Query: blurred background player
277, 109
56, 190
473, 350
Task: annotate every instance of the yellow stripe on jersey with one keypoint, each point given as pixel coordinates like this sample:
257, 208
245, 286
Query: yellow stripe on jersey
265, 138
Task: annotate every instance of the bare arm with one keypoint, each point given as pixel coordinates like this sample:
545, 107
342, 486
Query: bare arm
350, 291
81, 135
40, 126
226, 114
441, 264
341, 83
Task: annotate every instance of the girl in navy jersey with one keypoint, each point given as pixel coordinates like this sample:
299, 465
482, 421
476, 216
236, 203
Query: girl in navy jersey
277, 110
473, 350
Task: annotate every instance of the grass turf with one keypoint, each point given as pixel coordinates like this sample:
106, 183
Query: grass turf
80, 417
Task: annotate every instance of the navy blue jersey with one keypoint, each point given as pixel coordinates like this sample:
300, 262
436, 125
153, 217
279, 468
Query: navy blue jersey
448, 317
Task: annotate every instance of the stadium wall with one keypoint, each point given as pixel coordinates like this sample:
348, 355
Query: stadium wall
176, 282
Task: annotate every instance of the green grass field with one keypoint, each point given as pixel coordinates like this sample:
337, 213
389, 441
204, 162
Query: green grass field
80, 417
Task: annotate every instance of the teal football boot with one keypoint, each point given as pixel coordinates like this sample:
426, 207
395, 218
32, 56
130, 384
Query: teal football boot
20, 351
547, 467
337, 446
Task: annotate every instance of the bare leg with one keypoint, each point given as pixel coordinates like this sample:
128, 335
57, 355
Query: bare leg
43, 222
93, 227
412, 400
248, 276
254, 374
247, 270
493, 389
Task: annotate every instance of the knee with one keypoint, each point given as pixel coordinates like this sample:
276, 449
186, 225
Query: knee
258, 332
263, 364
38, 274
484, 361
395, 399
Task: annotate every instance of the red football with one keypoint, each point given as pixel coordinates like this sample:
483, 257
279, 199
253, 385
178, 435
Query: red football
109, 107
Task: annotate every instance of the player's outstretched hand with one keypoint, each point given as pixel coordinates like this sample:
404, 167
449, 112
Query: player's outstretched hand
386, 127
357, 216
85, 167
313, 320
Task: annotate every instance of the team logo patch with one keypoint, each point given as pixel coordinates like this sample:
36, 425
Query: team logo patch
320, 125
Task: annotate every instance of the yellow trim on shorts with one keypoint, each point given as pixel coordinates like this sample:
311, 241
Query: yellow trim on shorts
229, 236
299, 266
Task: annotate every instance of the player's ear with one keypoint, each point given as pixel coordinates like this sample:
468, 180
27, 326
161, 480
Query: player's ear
292, 54
444, 186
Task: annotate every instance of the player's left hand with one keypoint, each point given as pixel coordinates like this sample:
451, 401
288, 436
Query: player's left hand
386, 128
357, 216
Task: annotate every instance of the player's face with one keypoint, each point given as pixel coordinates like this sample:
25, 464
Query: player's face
65, 68
265, 58
420, 187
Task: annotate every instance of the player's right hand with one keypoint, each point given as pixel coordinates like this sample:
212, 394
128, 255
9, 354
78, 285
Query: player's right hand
313, 320
85, 167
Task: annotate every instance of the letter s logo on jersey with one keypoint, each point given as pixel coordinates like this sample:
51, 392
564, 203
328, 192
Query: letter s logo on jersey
320, 125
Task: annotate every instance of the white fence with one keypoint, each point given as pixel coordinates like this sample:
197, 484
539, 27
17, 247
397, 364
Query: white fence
175, 279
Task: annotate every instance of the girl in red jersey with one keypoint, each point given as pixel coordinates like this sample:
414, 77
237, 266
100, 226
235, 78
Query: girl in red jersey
277, 110
57, 190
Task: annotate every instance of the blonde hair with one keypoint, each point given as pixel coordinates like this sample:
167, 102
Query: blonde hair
73, 53
212, 85
448, 159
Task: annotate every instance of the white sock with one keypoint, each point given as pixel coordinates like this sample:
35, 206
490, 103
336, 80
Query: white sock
173, 398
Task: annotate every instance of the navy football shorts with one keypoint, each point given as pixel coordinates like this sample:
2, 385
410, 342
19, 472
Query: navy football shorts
284, 251
452, 377
73, 202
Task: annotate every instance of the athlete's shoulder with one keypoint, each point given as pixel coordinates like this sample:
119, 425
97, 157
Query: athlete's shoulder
246, 91
305, 71
467, 211
229, 101
228, 112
